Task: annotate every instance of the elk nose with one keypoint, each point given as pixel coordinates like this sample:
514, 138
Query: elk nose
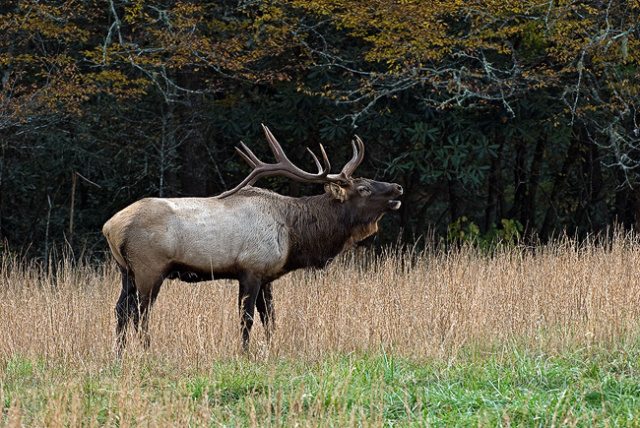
399, 188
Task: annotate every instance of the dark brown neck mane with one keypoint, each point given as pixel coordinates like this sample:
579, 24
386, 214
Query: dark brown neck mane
319, 229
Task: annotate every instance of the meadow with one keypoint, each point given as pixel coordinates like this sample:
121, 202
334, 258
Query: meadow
517, 336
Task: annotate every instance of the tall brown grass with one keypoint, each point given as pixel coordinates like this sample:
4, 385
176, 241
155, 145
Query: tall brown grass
417, 304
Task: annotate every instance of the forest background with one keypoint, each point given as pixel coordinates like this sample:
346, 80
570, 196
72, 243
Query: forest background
494, 115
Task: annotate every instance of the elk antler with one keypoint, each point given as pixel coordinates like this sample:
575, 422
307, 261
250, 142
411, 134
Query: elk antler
286, 168
350, 167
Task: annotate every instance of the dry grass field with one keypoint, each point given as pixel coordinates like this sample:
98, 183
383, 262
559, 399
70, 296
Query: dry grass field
363, 342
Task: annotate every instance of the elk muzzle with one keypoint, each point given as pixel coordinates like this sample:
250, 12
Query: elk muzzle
395, 204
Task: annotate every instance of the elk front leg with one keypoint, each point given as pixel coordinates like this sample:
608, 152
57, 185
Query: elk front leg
249, 288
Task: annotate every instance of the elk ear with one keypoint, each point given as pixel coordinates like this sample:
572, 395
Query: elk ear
336, 191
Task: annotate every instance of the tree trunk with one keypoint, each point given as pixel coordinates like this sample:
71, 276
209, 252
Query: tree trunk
495, 192
624, 206
528, 217
590, 210
559, 187
454, 200
519, 181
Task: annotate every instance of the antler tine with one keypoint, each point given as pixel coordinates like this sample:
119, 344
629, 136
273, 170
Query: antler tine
350, 167
251, 159
274, 145
325, 159
358, 155
254, 162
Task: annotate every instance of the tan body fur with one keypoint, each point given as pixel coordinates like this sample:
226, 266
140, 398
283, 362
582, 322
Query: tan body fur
207, 234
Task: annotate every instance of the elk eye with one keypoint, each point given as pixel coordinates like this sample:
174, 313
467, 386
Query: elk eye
364, 191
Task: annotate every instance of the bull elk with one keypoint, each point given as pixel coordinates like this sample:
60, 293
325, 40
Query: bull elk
247, 233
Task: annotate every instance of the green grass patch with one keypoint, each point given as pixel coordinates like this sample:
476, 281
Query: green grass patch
583, 387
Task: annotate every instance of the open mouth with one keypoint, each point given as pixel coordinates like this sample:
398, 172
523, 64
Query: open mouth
394, 205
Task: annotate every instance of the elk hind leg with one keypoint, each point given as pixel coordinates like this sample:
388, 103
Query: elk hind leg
265, 309
148, 294
127, 307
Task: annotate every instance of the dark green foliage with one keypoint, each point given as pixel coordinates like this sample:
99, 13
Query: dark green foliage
522, 117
